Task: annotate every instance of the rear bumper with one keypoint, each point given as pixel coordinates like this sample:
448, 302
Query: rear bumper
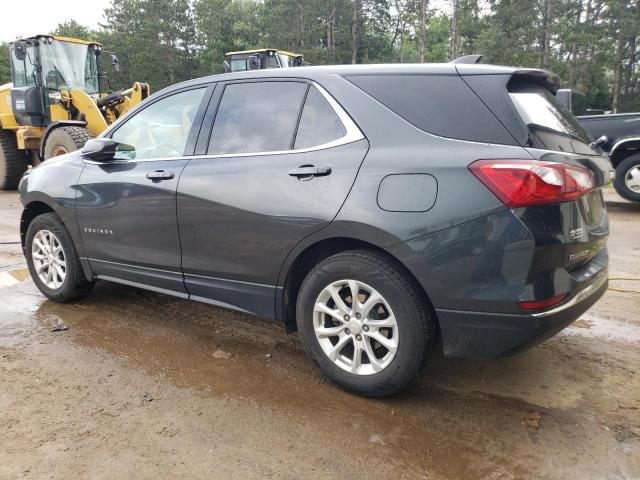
478, 335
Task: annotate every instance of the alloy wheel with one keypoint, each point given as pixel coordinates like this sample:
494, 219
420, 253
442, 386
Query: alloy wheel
355, 327
49, 260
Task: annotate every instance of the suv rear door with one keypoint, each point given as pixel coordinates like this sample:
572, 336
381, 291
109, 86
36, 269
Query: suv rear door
274, 162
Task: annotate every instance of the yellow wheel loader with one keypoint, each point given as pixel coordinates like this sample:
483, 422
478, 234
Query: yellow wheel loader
58, 100
261, 59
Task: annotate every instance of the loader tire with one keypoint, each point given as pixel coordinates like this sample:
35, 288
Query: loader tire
13, 162
64, 140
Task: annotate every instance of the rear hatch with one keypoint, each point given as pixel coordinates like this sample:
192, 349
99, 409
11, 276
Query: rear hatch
573, 230
556, 136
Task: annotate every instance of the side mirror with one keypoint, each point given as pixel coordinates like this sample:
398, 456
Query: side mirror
227, 66
20, 50
114, 62
104, 149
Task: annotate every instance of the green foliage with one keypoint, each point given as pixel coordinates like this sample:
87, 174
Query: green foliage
5, 64
593, 45
73, 29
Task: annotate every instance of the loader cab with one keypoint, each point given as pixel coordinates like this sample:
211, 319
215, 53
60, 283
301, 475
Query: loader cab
260, 60
43, 66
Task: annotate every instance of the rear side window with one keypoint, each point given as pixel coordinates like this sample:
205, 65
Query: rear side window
440, 104
551, 126
257, 117
319, 123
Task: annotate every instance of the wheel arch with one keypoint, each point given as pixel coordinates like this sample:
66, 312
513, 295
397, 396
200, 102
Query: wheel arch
38, 203
57, 124
31, 211
623, 148
299, 266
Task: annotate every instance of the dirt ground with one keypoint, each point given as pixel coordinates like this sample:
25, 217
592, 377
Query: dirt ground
143, 385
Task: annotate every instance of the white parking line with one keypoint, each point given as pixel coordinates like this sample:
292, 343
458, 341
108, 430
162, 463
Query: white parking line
7, 280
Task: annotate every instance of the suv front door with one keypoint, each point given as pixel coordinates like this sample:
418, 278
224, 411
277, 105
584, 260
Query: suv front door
275, 167
126, 207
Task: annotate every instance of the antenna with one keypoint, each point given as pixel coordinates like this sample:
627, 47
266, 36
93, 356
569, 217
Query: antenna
468, 59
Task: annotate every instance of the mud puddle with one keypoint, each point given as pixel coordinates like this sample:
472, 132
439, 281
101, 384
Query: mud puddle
460, 419
223, 354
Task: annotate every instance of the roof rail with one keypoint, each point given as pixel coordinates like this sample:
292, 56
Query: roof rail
468, 59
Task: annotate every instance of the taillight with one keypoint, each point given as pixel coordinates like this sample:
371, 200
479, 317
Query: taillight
519, 183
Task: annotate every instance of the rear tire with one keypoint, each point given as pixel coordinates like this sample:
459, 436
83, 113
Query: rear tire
13, 162
64, 140
410, 339
49, 247
627, 180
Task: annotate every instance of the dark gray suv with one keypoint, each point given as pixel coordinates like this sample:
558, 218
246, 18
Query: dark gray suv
374, 209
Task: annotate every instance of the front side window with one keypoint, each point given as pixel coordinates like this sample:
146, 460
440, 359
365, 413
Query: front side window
257, 117
319, 123
23, 71
161, 130
239, 65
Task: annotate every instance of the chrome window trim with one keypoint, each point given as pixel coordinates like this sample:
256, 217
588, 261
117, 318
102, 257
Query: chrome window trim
353, 134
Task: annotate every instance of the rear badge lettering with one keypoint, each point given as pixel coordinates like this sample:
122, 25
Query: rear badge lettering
576, 256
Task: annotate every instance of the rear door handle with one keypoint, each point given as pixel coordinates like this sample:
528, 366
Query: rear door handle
308, 171
160, 175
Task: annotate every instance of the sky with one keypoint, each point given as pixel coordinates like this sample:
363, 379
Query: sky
27, 18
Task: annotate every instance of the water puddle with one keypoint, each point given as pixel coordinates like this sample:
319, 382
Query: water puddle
594, 325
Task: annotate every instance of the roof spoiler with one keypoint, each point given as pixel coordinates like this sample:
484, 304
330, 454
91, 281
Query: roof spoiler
548, 80
468, 59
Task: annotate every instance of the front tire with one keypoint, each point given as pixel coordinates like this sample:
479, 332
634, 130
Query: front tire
13, 162
627, 181
372, 347
64, 140
53, 261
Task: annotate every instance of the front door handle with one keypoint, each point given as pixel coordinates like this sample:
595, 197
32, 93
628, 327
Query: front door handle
308, 171
160, 175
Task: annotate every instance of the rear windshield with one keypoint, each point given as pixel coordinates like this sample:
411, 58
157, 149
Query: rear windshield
551, 126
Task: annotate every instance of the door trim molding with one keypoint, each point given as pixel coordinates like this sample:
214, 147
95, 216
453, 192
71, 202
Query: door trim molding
143, 286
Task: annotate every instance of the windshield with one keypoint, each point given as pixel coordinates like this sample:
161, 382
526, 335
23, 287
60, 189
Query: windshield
287, 61
69, 65
551, 126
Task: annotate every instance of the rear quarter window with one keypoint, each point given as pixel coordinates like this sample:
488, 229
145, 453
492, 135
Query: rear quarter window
319, 123
439, 104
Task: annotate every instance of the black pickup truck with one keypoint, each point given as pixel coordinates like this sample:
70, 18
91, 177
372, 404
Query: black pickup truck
622, 142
